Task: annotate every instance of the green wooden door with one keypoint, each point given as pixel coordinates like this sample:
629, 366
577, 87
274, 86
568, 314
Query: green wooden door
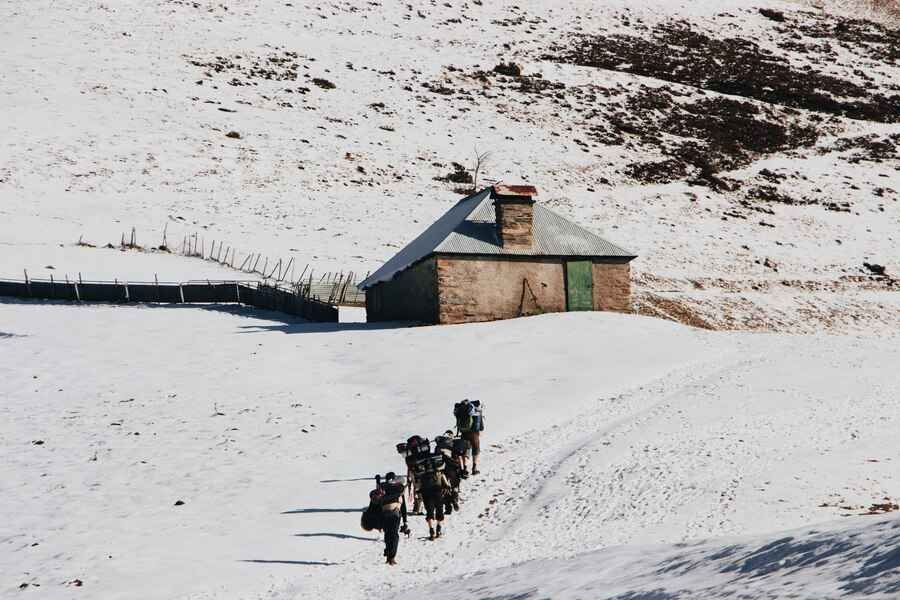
579, 285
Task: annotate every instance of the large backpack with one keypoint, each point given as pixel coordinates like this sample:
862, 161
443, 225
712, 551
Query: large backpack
392, 491
372, 517
427, 471
415, 448
442, 442
462, 411
460, 446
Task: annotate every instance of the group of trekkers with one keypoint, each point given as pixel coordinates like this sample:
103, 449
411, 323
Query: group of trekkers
435, 470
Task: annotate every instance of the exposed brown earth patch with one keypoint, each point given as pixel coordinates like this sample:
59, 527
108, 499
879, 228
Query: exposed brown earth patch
676, 52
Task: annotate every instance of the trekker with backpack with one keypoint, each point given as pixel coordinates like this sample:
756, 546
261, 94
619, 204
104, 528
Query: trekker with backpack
387, 507
459, 451
415, 448
433, 485
393, 509
452, 470
470, 423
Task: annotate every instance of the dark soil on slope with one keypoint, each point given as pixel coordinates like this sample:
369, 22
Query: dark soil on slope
676, 52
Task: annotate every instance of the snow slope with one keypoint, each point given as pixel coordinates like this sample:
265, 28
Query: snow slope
603, 430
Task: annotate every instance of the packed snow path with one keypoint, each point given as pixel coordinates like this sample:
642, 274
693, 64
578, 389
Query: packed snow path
602, 430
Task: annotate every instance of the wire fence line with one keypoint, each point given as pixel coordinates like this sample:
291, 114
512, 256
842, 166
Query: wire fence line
290, 299
337, 288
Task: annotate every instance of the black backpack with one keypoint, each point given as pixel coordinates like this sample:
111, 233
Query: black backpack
393, 491
460, 446
427, 471
463, 416
373, 517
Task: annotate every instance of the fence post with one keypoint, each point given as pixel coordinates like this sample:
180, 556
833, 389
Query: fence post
27, 282
289, 266
277, 266
181, 293
52, 295
237, 292
156, 280
127, 295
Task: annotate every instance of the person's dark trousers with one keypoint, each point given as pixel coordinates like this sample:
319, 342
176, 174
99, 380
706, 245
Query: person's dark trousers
391, 526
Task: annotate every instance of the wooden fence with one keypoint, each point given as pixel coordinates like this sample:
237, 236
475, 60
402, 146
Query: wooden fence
272, 296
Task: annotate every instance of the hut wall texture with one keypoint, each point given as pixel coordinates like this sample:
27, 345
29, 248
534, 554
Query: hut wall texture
410, 296
612, 286
484, 289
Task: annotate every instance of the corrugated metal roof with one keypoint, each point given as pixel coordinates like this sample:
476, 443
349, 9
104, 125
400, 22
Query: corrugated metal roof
470, 228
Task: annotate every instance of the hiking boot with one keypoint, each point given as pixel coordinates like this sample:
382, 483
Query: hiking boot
475, 471
438, 530
456, 505
431, 533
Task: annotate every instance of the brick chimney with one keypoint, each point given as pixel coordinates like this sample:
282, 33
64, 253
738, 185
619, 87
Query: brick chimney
514, 206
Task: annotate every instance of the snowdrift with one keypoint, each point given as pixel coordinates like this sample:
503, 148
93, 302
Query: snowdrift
859, 558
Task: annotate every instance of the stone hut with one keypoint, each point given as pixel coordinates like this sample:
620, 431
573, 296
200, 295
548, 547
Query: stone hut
498, 254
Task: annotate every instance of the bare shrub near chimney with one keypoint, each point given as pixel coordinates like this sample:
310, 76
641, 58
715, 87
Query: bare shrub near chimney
482, 160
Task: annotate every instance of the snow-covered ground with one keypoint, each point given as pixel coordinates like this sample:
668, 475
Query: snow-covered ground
603, 430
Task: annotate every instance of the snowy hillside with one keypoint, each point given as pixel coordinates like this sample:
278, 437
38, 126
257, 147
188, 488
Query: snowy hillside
750, 156
603, 430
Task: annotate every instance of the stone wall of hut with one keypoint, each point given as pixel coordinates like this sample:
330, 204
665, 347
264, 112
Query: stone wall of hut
464, 289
